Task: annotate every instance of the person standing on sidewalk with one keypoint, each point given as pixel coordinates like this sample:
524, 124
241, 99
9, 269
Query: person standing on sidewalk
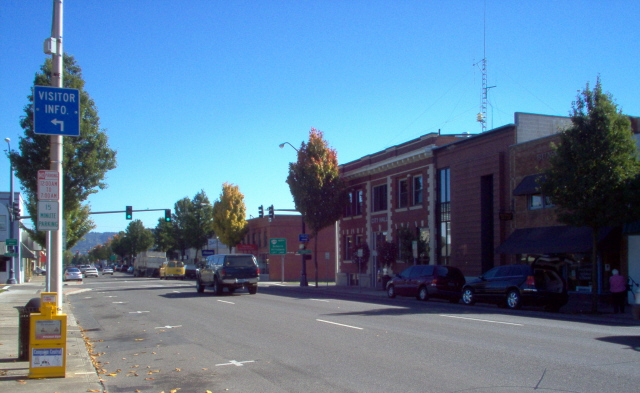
618, 288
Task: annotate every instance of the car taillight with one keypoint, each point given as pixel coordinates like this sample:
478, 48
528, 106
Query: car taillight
531, 281
222, 273
258, 271
434, 282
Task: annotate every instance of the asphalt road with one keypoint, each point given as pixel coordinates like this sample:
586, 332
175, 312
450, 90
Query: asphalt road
151, 336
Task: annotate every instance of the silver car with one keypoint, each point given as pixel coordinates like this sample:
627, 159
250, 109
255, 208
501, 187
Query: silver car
91, 272
72, 274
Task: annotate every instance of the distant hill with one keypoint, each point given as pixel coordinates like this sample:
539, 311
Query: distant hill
91, 240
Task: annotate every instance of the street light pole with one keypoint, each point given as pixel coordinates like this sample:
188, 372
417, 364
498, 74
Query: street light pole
303, 273
12, 272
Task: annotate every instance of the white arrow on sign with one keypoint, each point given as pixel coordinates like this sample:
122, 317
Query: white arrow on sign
60, 123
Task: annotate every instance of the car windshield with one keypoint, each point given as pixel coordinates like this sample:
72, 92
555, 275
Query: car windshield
239, 261
72, 270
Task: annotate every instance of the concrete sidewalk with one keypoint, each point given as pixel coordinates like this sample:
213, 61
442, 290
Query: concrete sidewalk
81, 376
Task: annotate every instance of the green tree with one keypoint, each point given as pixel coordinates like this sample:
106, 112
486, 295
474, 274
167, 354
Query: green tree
138, 238
119, 245
200, 223
229, 216
594, 164
319, 193
181, 222
163, 235
87, 158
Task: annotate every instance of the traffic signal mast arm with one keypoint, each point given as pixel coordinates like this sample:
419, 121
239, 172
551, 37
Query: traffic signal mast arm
109, 212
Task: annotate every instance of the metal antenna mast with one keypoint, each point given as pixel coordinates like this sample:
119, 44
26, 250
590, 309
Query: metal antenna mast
482, 116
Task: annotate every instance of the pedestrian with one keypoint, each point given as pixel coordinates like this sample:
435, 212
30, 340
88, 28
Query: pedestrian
618, 288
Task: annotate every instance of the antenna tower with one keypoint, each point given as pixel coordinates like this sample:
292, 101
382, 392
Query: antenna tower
482, 116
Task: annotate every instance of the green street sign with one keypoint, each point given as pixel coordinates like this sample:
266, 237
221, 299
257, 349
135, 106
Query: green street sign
10, 254
278, 246
305, 251
11, 242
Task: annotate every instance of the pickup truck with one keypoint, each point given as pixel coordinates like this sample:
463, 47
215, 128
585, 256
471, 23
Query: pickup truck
228, 271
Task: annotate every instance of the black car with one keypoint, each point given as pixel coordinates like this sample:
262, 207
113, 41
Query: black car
228, 271
425, 281
513, 286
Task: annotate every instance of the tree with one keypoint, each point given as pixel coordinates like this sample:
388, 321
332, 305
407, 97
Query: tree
119, 245
229, 214
319, 193
138, 238
180, 225
594, 164
200, 223
87, 158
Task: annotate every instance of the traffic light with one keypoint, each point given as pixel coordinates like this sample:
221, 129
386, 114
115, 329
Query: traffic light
271, 212
167, 215
260, 211
16, 211
129, 213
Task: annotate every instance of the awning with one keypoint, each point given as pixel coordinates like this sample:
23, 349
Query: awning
550, 240
529, 185
26, 253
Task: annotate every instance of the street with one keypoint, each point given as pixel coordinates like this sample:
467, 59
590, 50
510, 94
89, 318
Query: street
151, 335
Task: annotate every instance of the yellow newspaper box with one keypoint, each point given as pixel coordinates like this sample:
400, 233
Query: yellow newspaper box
48, 339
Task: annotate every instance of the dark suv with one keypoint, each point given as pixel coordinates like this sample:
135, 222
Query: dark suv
228, 271
425, 281
516, 285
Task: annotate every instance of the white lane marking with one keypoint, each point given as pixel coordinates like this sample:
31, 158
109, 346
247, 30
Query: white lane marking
339, 324
224, 301
235, 363
137, 312
168, 327
320, 300
481, 320
117, 302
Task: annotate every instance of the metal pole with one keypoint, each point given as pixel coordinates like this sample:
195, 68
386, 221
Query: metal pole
282, 277
303, 274
55, 246
12, 277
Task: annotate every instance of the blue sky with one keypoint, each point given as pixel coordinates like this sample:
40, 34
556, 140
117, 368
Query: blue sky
197, 93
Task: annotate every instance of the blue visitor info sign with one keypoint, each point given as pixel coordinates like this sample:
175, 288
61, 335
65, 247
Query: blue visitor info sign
56, 111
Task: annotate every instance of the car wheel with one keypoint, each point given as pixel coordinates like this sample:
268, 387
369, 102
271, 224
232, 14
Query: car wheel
514, 301
391, 292
423, 294
217, 288
468, 296
199, 286
253, 289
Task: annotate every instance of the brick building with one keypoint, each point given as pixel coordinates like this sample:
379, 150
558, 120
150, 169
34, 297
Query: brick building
261, 230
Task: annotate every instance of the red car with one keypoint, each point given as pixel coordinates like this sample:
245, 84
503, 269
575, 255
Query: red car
425, 281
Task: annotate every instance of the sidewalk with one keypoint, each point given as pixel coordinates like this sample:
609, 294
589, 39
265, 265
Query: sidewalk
81, 376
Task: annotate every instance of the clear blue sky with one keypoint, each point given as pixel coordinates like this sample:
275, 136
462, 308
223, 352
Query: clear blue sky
193, 94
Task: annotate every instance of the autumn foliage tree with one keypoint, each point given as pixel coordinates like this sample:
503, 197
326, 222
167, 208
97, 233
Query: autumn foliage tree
319, 193
229, 216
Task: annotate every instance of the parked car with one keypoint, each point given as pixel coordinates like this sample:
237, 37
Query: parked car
107, 270
229, 271
130, 269
425, 281
72, 274
40, 271
172, 269
513, 286
91, 272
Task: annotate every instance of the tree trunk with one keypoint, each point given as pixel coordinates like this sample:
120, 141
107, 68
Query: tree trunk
594, 270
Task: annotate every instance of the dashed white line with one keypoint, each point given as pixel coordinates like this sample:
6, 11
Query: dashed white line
235, 363
224, 301
339, 324
481, 320
320, 300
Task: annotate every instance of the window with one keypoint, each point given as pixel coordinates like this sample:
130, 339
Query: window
539, 201
403, 193
348, 207
380, 198
444, 178
348, 244
417, 190
358, 202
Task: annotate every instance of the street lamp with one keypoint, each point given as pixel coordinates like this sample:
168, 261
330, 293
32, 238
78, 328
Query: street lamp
287, 143
12, 272
303, 273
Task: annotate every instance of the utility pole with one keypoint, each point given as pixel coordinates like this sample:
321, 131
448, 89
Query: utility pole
54, 242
